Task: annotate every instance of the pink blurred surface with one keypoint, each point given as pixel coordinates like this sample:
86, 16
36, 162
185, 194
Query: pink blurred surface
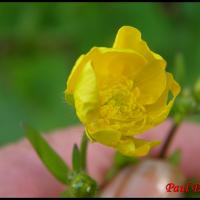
187, 139
148, 179
23, 175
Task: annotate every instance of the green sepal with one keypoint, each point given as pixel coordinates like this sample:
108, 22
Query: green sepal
76, 158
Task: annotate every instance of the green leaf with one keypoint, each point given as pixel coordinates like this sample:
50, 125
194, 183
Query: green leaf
76, 158
48, 156
175, 158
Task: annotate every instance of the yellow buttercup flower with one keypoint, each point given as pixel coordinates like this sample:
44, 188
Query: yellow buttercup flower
121, 92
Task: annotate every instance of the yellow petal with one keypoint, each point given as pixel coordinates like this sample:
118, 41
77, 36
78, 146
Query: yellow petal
152, 79
85, 93
159, 111
127, 38
126, 146
151, 82
106, 137
135, 147
74, 75
77, 69
143, 146
111, 64
130, 38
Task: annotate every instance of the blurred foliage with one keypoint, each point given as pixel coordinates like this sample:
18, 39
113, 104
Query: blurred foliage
175, 158
192, 188
119, 162
39, 42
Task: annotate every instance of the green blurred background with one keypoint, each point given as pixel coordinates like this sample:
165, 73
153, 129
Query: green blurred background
39, 42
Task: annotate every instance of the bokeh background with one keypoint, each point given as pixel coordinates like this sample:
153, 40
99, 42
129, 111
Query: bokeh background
39, 42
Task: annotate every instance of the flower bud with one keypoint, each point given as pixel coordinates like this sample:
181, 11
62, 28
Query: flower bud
83, 186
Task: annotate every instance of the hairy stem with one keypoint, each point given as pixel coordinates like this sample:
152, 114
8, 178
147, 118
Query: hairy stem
168, 140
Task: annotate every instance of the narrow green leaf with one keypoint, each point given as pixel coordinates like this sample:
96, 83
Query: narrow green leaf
48, 156
175, 158
76, 158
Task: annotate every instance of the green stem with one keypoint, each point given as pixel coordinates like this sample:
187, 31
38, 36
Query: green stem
81, 184
83, 151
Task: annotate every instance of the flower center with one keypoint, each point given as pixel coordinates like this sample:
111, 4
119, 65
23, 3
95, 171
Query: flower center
119, 105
